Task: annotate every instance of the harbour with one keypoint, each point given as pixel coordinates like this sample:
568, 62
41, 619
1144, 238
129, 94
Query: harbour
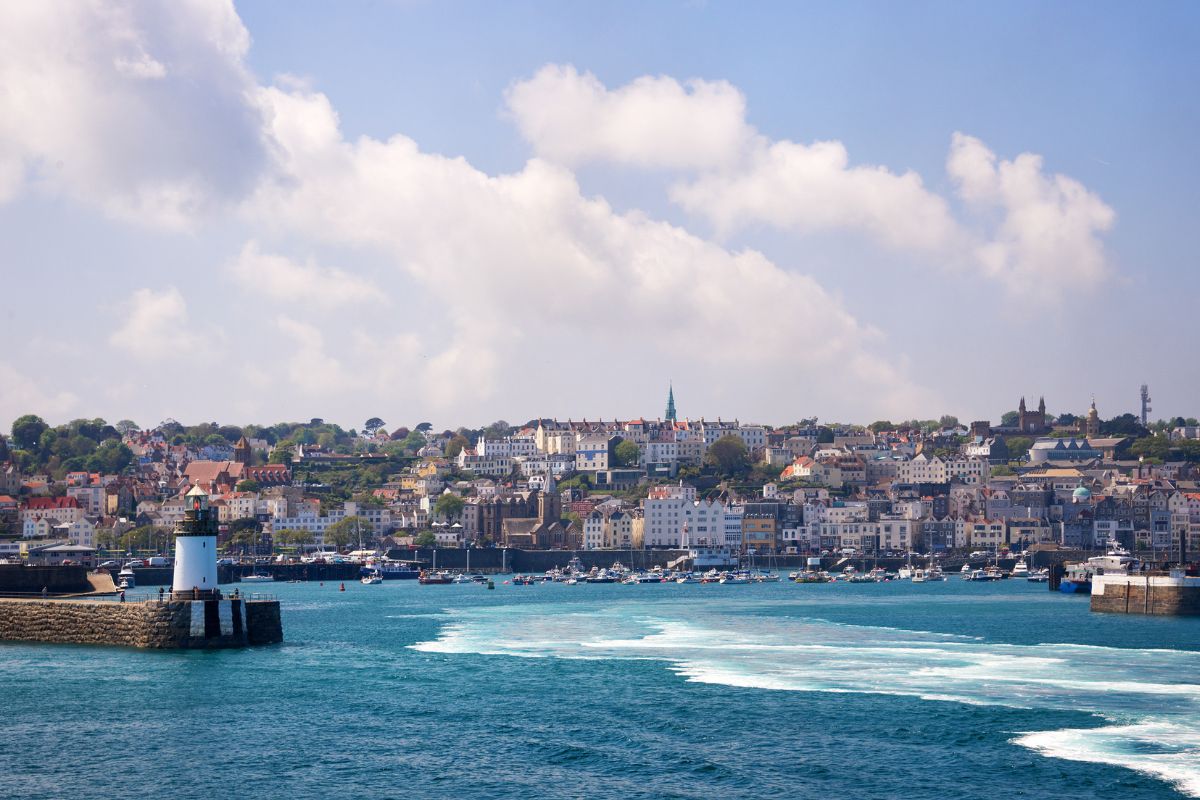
616, 689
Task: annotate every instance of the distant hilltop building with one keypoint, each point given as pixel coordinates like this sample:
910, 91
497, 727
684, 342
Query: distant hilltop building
1033, 422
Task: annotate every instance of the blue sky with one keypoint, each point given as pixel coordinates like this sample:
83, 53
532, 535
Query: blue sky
630, 193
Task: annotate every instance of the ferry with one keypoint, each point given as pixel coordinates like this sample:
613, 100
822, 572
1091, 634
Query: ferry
1078, 577
125, 578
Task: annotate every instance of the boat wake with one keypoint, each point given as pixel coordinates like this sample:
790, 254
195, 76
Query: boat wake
1154, 718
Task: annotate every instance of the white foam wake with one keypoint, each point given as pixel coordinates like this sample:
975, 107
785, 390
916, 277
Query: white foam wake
1155, 714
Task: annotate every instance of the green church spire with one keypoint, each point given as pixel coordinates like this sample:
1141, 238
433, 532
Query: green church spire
670, 415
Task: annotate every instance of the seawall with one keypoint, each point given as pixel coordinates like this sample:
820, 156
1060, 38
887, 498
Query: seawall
1155, 595
175, 624
20, 579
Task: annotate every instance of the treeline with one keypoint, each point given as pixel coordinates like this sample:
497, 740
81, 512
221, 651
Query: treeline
82, 444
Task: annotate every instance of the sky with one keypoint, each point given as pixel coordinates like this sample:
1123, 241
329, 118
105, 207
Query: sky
463, 212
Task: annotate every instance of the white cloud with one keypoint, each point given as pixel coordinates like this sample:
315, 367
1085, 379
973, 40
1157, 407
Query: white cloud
21, 394
139, 109
285, 281
656, 122
1049, 236
155, 327
309, 367
527, 270
812, 188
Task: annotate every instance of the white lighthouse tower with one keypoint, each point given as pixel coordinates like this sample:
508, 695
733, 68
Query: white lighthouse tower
196, 548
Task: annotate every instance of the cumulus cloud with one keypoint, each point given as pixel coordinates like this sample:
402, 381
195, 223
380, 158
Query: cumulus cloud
657, 122
1050, 227
156, 327
812, 188
137, 108
1050, 232
309, 367
21, 394
524, 264
283, 280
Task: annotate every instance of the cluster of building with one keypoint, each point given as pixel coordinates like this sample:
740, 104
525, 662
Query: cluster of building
839, 489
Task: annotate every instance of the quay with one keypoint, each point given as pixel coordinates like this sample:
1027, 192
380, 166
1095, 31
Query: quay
148, 623
1156, 592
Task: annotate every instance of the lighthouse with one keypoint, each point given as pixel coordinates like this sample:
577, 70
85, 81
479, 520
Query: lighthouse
196, 548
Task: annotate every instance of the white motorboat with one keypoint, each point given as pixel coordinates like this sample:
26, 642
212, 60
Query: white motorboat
125, 578
372, 579
257, 577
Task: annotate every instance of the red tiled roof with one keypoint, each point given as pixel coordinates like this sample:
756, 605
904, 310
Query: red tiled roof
51, 503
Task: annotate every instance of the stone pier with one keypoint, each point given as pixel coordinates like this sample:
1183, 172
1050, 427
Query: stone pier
173, 624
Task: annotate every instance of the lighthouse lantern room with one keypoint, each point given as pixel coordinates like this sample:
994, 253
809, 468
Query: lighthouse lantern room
196, 548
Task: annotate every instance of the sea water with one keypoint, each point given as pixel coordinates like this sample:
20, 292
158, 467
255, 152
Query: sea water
936, 690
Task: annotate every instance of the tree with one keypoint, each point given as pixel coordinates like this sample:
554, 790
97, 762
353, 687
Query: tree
1123, 425
1002, 470
1018, 446
126, 427
425, 539
497, 430
825, 436
349, 530
27, 431
1009, 419
248, 485
728, 455
291, 537
111, 457
948, 421
881, 425
373, 425
425, 427
282, 454
400, 434
456, 445
448, 506
1067, 419
627, 454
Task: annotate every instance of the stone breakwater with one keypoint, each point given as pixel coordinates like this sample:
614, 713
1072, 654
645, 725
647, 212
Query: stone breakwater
175, 624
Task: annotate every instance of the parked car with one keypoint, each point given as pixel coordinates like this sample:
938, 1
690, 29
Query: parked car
110, 564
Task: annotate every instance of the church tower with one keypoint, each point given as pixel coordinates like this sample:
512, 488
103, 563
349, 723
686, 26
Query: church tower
241, 451
1092, 427
670, 415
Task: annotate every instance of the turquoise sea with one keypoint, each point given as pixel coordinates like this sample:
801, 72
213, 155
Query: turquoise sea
950, 690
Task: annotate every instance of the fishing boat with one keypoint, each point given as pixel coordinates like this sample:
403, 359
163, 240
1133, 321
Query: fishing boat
935, 573
918, 575
1038, 576
435, 578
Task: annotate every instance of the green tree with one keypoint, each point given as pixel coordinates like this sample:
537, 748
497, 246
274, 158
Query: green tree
425, 539
825, 436
27, 431
350, 530
1001, 470
1009, 419
292, 537
248, 485
424, 427
948, 421
627, 454
372, 425
448, 506
881, 425
728, 455
1123, 425
282, 454
112, 456
1018, 447
126, 427
456, 445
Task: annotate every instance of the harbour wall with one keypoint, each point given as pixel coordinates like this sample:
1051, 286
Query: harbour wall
1143, 594
176, 624
19, 579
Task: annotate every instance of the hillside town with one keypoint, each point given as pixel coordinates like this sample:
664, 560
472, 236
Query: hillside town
80, 492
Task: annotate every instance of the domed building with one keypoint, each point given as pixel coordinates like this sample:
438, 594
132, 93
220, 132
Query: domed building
1082, 494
